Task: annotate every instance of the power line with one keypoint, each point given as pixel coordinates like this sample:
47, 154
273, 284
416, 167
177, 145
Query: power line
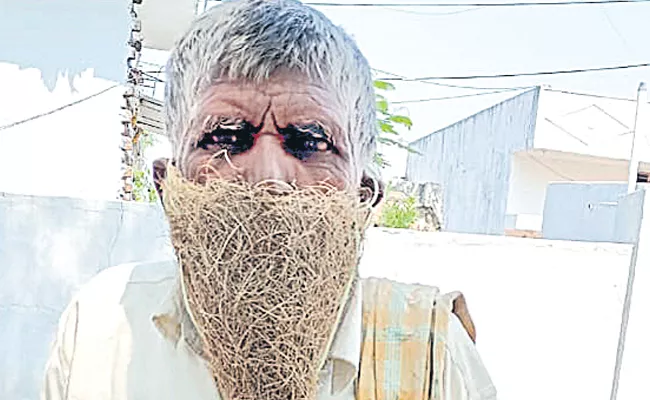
613, 27
449, 85
517, 74
515, 4
475, 87
435, 14
597, 96
548, 167
506, 90
63, 107
388, 73
494, 90
452, 97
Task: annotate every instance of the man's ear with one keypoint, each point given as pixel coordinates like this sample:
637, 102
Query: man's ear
159, 174
374, 186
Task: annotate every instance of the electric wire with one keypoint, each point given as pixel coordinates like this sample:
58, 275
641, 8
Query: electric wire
63, 107
513, 4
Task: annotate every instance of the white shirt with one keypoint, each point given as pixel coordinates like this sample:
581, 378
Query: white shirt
124, 337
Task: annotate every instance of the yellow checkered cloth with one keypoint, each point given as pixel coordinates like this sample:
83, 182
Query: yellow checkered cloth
403, 349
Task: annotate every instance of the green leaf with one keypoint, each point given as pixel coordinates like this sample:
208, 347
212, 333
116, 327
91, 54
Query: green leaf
388, 122
389, 141
382, 106
412, 150
387, 127
383, 85
153, 195
400, 213
380, 160
402, 120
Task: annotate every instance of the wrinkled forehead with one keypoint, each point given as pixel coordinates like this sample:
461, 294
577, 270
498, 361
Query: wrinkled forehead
287, 96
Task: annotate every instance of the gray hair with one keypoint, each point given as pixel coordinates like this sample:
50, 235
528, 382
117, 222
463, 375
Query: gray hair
252, 39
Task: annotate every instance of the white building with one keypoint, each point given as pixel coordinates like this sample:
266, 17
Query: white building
495, 166
63, 65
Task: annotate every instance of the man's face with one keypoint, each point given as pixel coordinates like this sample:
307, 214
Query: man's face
285, 129
254, 261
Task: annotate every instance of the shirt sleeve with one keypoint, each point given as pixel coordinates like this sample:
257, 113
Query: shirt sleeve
466, 376
59, 364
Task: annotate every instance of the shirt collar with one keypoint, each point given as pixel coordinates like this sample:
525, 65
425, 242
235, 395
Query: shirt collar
174, 323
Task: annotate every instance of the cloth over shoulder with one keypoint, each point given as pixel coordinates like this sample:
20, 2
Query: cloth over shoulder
415, 348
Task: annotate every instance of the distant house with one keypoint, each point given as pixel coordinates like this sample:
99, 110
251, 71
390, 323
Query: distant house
495, 166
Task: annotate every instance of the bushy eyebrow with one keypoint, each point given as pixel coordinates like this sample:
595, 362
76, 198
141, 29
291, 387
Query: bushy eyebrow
317, 129
213, 122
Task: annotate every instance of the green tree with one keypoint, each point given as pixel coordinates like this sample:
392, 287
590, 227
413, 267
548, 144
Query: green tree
399, 213
388, 121
143, 187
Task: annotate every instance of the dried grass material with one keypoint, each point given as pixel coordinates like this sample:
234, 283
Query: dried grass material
265, 276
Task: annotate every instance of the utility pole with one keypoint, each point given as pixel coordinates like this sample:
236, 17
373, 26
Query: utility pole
641, 127
131, 131
630, 369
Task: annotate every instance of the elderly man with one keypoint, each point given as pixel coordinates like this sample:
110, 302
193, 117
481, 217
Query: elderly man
270, 109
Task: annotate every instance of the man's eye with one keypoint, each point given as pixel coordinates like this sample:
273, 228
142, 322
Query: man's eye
234, 138
302, 142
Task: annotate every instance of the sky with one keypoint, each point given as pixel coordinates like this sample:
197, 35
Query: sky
417, 42
460, 41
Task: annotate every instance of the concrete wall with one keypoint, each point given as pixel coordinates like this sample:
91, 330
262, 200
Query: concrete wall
471, 160
48, 248
583, 211
628, 223
541, 307
528, 182
55, 52
527, 191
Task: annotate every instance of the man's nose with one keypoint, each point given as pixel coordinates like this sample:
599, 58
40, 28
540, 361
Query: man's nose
267, 160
